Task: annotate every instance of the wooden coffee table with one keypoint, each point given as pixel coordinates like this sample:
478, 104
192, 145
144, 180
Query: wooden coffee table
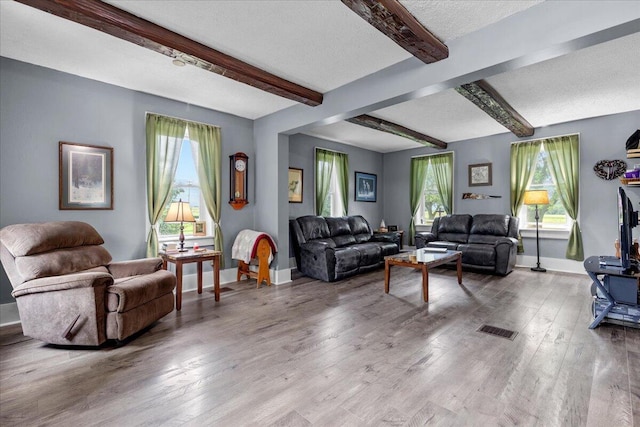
424, 259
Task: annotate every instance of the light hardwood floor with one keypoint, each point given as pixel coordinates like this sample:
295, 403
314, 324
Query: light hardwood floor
344, 354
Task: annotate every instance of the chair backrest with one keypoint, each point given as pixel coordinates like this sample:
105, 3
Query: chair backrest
32, 251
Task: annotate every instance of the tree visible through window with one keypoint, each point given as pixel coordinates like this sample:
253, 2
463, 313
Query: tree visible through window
553, 215
185, 187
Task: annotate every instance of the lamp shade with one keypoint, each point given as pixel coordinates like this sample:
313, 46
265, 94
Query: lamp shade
536, 197
179, 212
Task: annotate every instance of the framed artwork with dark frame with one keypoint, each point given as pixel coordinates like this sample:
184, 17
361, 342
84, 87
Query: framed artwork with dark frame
480, 174
85, 178
295, 185
366, 187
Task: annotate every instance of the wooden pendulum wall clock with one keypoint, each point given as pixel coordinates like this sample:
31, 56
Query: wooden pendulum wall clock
238, 180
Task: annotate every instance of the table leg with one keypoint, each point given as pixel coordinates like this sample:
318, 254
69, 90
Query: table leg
199, 277
425, 283
387, 274
459, 268
178, 285
216, 278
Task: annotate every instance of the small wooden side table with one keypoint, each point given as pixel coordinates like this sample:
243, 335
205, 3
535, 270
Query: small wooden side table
180, 258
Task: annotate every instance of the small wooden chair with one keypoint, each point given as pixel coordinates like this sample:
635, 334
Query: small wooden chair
263, 252
250, 246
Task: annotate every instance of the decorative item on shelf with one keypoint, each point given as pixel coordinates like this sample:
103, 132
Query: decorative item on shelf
238, 197
633, 141
180, 212
392, 228
537, 197
610, 169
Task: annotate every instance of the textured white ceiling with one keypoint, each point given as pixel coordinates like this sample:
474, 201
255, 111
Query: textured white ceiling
449, 20
320, 44
323, 45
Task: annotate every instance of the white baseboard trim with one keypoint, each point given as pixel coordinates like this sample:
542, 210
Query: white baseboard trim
9, 312
553, 264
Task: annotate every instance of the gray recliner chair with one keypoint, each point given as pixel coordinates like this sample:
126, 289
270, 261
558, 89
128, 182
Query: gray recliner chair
69, 292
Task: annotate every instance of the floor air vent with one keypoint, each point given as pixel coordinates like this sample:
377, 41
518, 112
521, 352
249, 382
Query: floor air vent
226, 289
499, 332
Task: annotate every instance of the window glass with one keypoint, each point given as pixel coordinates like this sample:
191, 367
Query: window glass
553, 215
333, 202
186, 188
431, 204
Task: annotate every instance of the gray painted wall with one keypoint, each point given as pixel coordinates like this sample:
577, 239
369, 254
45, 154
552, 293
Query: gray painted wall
600, 138
39, 107
301, 155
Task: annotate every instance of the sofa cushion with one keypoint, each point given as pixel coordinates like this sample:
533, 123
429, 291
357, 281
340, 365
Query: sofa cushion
478, 254
340, 231
347, 260
360, 228
495, 225
61, 261
386, 249
454, 228
131, 292
29, 239
370, 253
313, 227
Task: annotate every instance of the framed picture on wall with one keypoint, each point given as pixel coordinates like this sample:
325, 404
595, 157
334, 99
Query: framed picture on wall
366, 187
85, 178
295, 185
200, 228
479, 174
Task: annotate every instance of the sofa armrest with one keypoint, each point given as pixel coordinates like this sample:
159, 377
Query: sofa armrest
424, 238
391, 237
62, 283
506, 241
318, 260
506, 250
135, 267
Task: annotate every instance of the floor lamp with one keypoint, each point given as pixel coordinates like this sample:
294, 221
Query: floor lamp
537, 197
180, 212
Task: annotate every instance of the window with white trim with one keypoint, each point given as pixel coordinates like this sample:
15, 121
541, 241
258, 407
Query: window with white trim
552, 216
430, 204
186, 187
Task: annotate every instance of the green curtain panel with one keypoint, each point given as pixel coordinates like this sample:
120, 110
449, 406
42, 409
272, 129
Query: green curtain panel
341, 164
418, 171
164, 139
524, 156
324, 170
206, 141
442, 165
564, 158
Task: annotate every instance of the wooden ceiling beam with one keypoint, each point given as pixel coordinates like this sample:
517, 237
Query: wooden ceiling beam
395, 22
396, 129
126, 26
489, 100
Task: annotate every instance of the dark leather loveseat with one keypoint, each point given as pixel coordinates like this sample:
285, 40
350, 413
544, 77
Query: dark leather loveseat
331, 249
488, 242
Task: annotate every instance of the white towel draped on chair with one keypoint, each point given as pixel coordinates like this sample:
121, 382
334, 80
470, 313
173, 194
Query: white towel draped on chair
246, 243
